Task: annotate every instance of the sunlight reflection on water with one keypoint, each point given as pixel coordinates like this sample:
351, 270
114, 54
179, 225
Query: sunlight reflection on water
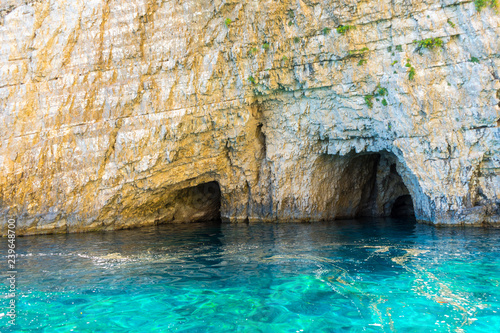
375, 275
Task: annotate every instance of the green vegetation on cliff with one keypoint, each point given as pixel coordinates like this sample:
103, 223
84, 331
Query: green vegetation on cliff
430, 43
481, 4
344, 28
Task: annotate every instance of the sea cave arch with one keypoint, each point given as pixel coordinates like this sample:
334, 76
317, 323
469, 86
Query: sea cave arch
361, 185
197, 203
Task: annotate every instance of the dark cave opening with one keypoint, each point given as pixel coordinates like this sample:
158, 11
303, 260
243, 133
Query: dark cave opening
362, 185
403, 207
384, 192
200, 203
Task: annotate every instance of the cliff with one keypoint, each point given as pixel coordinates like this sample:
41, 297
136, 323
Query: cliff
118, 113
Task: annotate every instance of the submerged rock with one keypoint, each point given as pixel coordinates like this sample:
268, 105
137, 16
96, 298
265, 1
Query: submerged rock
116, 114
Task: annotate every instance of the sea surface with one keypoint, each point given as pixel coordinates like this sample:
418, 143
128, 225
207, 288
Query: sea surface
370, 275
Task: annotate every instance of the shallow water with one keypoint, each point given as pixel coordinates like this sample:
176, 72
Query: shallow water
373, 275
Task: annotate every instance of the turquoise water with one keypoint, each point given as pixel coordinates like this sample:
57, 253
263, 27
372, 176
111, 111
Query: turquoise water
374, 275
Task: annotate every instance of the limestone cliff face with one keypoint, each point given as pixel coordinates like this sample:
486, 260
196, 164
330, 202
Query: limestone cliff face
113, 113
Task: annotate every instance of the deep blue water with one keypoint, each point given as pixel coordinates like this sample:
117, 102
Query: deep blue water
372, 275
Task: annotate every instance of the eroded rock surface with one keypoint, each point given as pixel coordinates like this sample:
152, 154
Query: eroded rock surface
110, 109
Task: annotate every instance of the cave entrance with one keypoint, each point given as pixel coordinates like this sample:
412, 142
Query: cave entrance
200, 203
403, 206
359, 185
384, 193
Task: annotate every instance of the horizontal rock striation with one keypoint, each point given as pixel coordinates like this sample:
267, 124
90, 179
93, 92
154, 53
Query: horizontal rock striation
115, 113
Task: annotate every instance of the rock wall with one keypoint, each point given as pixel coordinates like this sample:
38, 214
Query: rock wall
109, 109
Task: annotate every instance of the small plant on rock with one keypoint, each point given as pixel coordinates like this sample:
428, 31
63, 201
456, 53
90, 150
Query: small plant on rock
411, 74
252, 51
481, 4
369, 101
411, 71
344, 28
358, 53
291, 16
430, 43
227, 22
378, 92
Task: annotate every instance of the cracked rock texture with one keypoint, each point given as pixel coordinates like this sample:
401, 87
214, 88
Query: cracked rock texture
115, 114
